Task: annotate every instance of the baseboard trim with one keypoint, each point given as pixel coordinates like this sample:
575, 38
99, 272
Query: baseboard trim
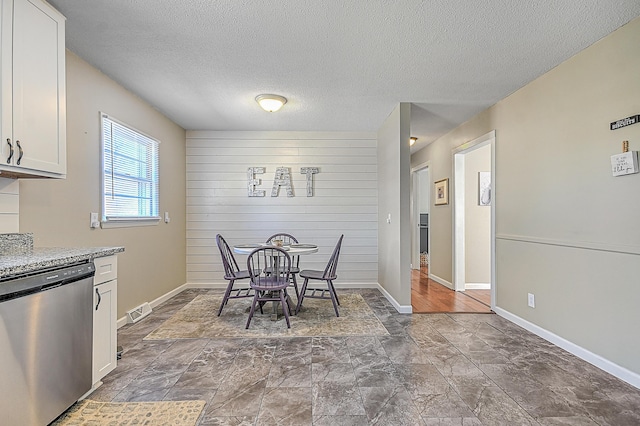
167, 296
207, 285
123, 321
402, 309
477, 286
222, 285
602, 363
356, 285
441, 281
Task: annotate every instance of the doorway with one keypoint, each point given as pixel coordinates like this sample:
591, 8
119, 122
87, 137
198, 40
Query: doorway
428, 294
474, 218
421, 200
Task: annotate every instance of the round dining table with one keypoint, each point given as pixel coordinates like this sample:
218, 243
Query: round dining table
291, 249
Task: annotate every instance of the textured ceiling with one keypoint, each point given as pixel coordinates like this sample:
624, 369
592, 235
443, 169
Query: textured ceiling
343, 65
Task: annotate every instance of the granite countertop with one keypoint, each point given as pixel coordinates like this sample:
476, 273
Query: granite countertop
49, 257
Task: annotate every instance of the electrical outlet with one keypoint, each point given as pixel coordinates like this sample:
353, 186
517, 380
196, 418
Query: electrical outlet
531, 300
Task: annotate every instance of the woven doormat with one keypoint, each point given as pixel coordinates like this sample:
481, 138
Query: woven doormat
175, 413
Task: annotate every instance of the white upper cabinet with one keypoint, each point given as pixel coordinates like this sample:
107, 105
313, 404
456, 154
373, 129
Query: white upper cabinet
33, 107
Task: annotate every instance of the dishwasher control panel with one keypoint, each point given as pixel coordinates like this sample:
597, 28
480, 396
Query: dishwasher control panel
43, 279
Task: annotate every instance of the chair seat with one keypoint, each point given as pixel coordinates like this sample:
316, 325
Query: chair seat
238, 275
315, 275
269, 283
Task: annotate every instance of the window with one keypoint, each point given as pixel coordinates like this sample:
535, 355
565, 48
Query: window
129, 175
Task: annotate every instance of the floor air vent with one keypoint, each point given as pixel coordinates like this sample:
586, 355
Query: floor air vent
136, 314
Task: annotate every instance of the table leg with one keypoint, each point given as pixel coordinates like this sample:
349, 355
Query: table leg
274, 314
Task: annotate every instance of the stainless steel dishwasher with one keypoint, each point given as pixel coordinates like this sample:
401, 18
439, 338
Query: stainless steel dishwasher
46, 327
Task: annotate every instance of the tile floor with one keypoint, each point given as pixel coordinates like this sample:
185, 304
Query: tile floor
433, 369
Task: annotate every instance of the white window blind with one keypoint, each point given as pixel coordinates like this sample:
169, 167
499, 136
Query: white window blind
130, 173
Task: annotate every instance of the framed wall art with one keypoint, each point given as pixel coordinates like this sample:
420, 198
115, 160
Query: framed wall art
442, 192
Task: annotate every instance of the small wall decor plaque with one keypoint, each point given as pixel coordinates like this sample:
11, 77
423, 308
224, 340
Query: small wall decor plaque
625, 163
624, 122
484, 188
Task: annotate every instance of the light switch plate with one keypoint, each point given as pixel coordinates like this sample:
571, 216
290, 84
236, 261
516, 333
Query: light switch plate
531, 300
93, 220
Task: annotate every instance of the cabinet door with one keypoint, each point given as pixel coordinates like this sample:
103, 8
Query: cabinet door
39, 117
6, 49
104, 329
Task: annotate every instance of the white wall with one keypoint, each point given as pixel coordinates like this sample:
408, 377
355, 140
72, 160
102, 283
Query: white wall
567, 231
345, 199
9, 206
394, 190
425, 186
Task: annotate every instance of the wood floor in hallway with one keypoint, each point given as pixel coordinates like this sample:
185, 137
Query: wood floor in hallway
428, 296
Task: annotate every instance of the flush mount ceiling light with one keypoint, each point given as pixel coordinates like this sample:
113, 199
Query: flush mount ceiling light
271, 103
412, 140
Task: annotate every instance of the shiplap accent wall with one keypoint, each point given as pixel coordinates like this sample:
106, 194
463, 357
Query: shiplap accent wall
9, 206
345, 199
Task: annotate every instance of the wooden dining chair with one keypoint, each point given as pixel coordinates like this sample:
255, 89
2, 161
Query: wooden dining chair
328, 275
288, 239
232, 273
271, 286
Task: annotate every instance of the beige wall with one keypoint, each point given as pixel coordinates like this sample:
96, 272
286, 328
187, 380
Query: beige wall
394, 257
477, 219
425, 194
566, 229
57, 211
440, 217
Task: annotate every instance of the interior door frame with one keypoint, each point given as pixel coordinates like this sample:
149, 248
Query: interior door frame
415, 213
458, 211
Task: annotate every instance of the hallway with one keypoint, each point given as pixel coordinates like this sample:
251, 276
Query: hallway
428, 296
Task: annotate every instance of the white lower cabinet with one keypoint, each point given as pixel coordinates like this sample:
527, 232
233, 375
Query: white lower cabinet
105, 303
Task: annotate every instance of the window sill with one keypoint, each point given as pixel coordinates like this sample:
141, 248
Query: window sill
129, 223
